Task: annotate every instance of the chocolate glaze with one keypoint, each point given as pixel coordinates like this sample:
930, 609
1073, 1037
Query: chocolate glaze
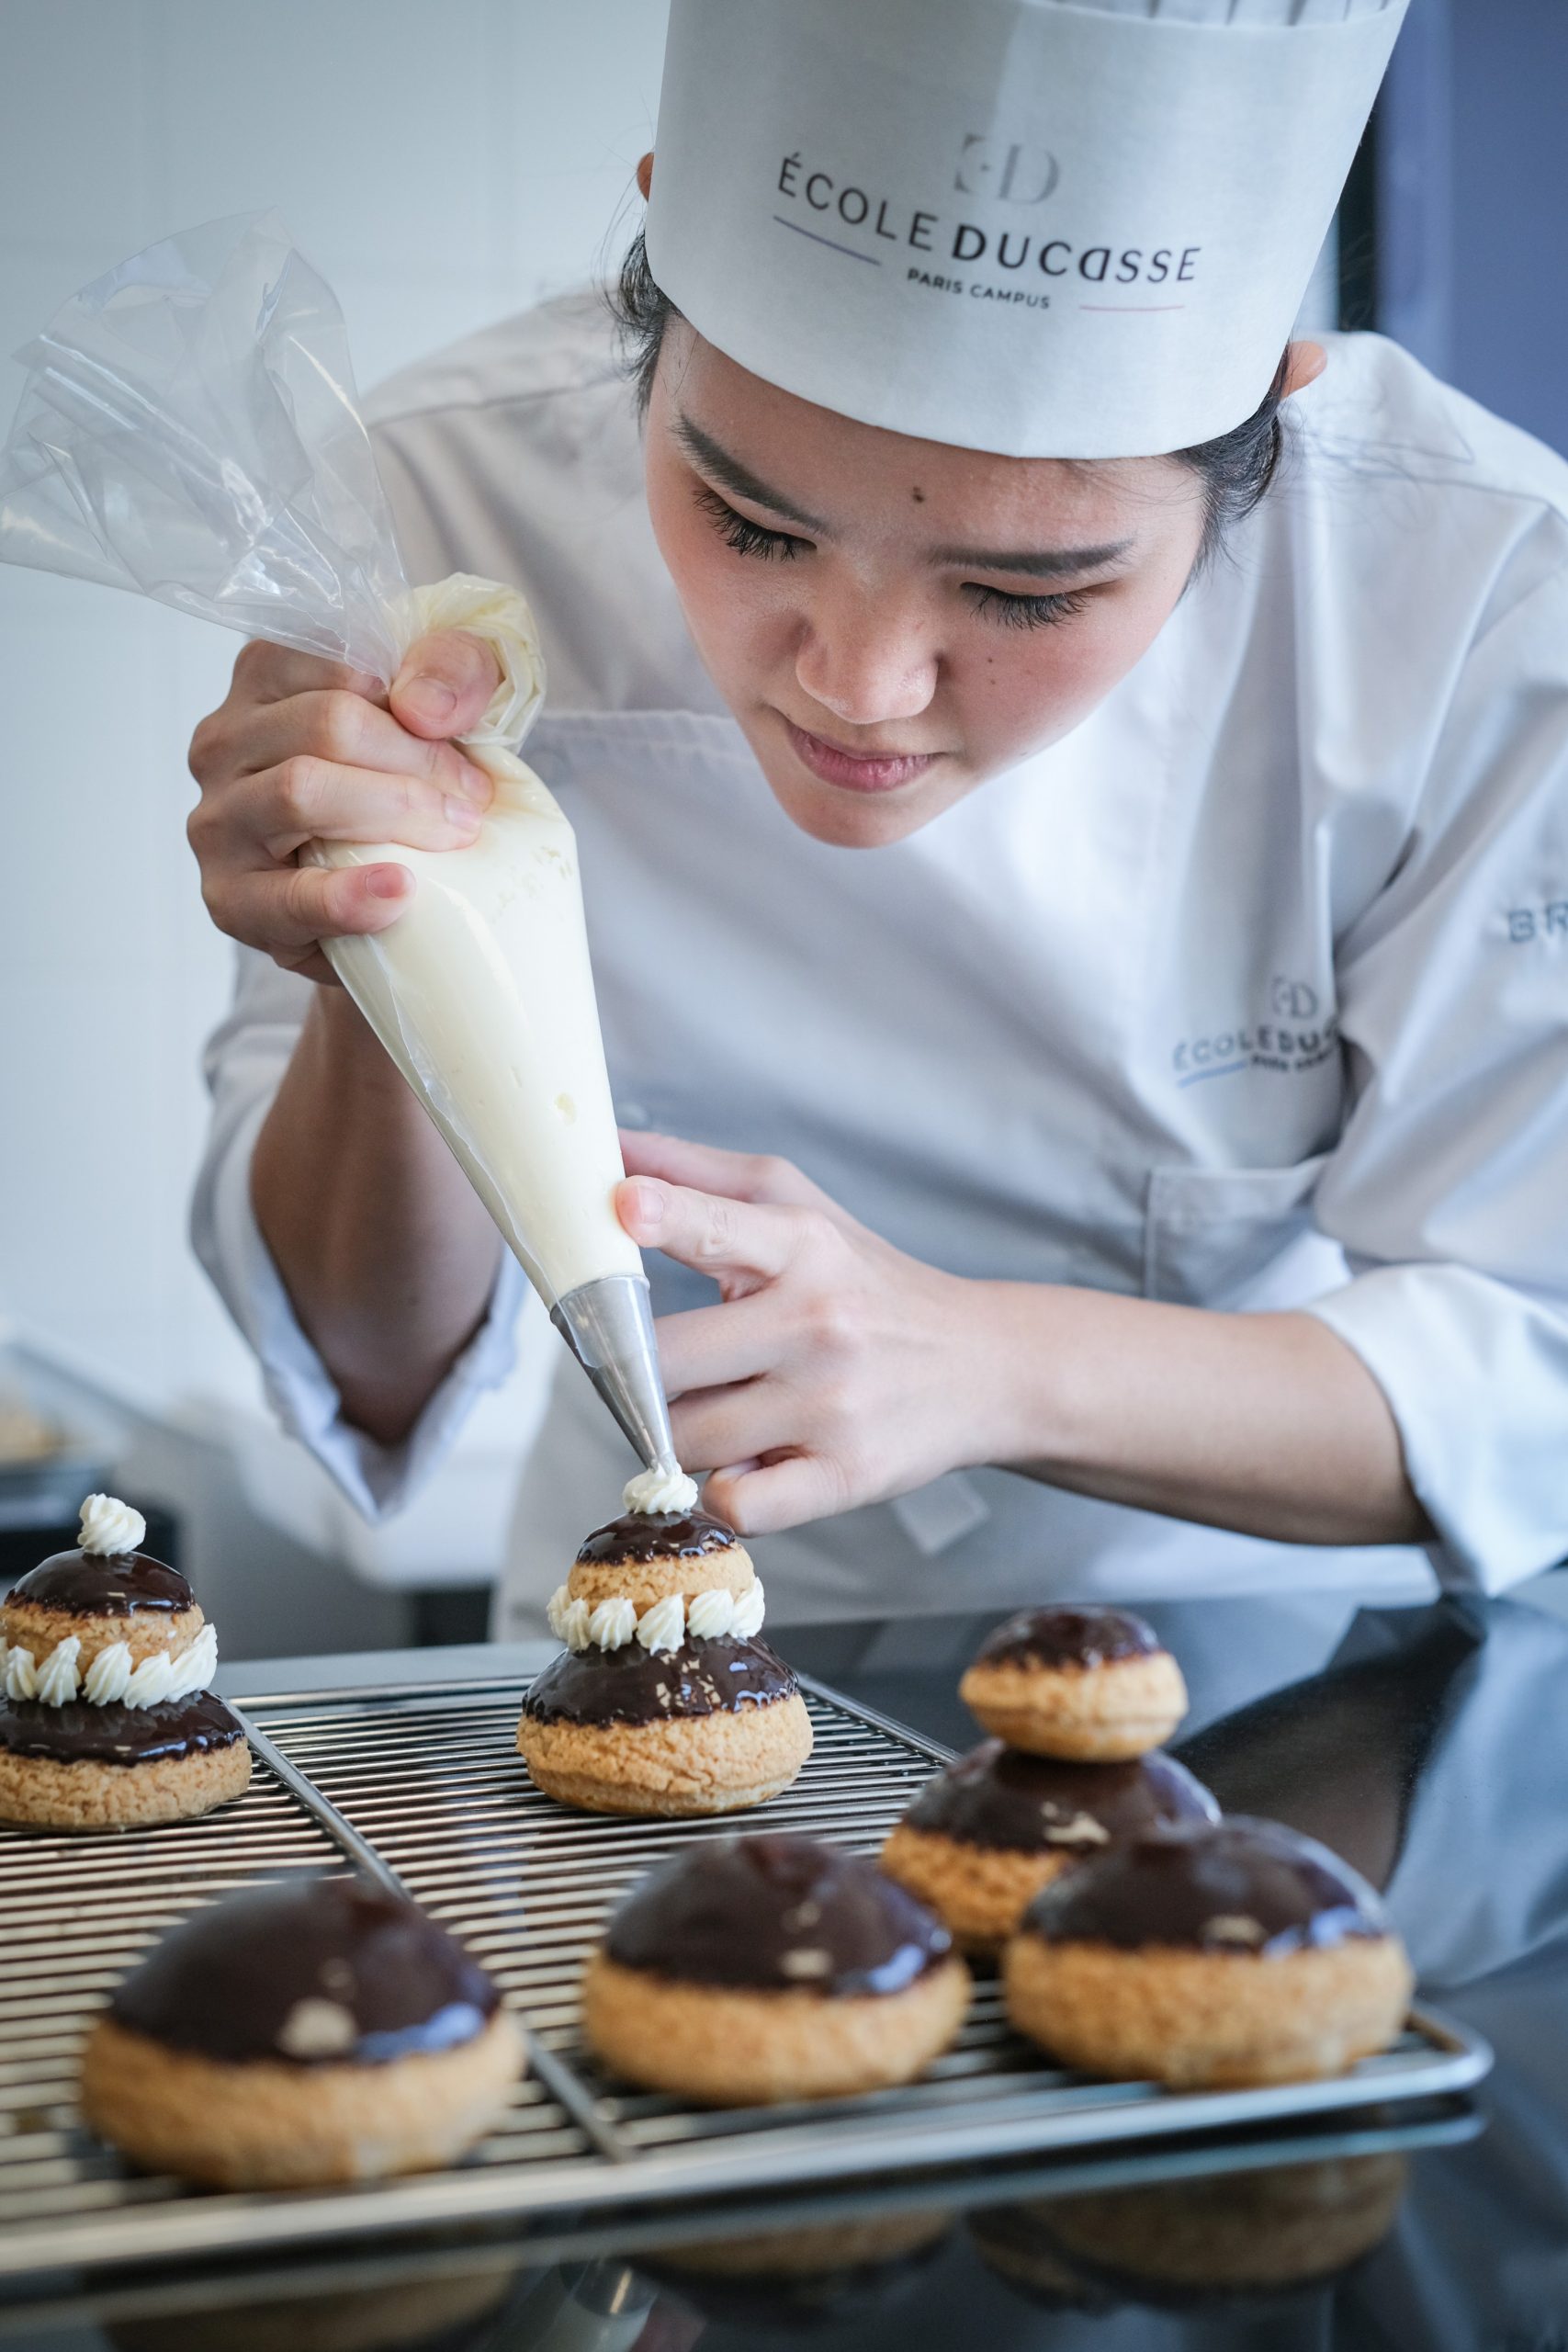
1028, 1805
80, 1733
632, 1685
776, 1914
657, 1535
227, 1982
103, 1584
1068, 1636
1190, 1883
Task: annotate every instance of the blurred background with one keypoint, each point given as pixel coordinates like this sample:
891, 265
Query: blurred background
441, 168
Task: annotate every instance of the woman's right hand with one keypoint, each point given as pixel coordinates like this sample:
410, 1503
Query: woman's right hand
303, 751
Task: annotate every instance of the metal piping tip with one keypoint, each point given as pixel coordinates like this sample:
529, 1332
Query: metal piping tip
608, 1325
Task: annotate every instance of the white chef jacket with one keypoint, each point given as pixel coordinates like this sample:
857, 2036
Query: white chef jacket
1250, 994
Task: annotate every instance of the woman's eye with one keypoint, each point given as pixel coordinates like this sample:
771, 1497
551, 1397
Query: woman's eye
1026, 611
747, 537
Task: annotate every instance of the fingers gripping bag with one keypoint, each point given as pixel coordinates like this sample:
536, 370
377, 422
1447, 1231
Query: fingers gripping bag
188, 430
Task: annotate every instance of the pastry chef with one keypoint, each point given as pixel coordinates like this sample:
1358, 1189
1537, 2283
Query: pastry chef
1070, 785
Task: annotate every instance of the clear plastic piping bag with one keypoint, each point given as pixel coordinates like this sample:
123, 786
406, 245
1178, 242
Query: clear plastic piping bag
189, 430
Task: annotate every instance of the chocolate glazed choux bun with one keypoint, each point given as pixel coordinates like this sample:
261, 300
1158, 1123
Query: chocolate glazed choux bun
1090, 1684
665, 1700
105, 1718
983, 1839
319, 2030
748, 1970
1202, 1955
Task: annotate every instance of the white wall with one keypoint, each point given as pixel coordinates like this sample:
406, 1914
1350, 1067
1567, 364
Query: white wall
442, 167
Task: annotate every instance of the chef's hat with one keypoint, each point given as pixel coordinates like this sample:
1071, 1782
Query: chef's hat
1051, 227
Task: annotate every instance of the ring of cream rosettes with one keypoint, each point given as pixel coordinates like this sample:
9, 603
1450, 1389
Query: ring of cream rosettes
610, 1625
110, 1679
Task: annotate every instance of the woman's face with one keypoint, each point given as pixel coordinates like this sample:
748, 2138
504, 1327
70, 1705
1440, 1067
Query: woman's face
892, 621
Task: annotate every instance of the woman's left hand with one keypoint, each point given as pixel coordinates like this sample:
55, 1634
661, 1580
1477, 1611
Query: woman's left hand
837, 1371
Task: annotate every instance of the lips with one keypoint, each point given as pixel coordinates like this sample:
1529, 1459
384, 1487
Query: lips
850, 771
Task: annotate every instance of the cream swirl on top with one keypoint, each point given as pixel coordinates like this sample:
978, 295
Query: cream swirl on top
111, 1527
706, 1616
666, 1488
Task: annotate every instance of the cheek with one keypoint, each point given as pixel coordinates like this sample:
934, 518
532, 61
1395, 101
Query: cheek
1021, 689
1028, 687
737, 623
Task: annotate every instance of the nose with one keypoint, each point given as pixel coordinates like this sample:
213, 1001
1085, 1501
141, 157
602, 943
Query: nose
863, 660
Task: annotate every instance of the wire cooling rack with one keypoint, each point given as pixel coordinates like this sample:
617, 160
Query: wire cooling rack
424, 1788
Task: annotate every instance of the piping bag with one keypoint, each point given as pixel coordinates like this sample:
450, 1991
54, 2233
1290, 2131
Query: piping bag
189, 430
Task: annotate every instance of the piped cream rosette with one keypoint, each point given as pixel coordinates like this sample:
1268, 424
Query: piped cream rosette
673, 1619
112, 1674
665, 1626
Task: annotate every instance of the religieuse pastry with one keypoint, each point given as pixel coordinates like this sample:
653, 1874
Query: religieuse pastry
664, 1700
754, 1969
983, 1839
1090, 1684
1204, 1955
985, 1836
318, 2031
107, 1721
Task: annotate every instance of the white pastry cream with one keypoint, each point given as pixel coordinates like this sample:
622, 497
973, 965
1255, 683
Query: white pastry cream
21, 1675
710, 1614
660, 1490
110, 1679
481, 991
109, 1526
58, 1681
664, 1626
612, 1623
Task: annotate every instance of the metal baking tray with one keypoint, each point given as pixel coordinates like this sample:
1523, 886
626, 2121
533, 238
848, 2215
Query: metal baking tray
425, 1789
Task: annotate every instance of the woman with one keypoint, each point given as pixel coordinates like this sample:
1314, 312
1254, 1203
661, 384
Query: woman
1162, 1102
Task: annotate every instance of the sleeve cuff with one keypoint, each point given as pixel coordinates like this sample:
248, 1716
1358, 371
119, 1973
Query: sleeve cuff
378, 1479
1476, 1375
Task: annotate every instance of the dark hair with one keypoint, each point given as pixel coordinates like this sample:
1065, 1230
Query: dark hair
1236, 468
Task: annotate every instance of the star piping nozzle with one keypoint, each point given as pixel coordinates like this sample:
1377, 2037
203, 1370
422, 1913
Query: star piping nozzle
608, 1325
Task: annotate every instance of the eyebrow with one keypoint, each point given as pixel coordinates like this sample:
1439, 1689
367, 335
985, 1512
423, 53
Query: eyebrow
1040, 563
1037, 563
737, 479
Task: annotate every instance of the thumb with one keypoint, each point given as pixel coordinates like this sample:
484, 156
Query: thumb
446, 683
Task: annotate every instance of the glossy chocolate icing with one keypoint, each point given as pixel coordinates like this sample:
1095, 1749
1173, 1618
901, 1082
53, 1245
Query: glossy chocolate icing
1068, 1636
103, 1584
1029, 1804
229, 1982
80, 1733
1238, 1886
775, 1915
657, 1535
632, 1685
